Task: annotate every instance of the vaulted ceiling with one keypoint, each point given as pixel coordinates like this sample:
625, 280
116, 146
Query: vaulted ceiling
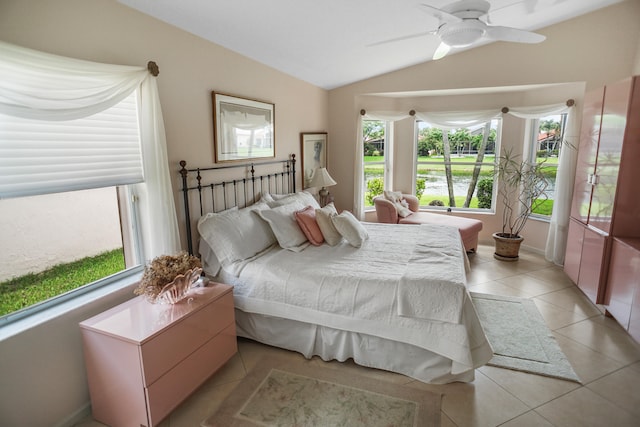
331, 43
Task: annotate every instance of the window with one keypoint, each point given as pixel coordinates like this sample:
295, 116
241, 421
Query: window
377, 145
65, 206
454, 169
547, 137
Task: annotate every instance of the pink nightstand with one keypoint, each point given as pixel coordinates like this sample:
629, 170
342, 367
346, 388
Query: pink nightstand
144, 359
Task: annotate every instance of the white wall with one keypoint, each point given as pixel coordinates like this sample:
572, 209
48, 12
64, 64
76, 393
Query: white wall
586, 52
57, 228
43, 367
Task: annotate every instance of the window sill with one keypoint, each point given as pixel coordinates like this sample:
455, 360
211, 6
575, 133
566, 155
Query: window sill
546, 219
18, 326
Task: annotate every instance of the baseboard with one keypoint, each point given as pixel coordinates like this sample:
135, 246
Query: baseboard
76, 416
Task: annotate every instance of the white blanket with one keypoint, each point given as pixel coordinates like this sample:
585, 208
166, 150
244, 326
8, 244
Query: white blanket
433, 284
417, 271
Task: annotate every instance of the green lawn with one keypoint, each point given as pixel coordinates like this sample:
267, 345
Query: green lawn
460, 169
32, 288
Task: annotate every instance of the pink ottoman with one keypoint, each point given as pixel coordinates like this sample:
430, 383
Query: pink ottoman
469, 228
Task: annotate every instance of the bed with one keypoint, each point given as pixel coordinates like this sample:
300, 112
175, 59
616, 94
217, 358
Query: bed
309, 279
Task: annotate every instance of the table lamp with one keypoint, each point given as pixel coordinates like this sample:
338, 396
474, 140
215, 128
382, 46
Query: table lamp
321, 178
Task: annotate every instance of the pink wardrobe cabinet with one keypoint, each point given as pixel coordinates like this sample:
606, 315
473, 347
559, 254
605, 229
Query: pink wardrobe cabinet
605, 202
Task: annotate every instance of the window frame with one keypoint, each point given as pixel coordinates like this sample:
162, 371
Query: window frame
532, 152
132, 250
132, 242
387, 163
493, 164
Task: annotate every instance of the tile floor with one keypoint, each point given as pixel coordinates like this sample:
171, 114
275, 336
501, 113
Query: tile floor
600, 351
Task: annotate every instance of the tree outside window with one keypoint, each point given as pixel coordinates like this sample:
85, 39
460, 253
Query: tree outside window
456, 166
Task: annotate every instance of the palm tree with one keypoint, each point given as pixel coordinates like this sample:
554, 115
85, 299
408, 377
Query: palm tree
479, 159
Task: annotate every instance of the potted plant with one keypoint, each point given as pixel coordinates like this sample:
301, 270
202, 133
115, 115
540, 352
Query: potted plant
167, 278
521, 189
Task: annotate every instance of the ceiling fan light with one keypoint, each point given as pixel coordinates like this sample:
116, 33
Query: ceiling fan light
461, 34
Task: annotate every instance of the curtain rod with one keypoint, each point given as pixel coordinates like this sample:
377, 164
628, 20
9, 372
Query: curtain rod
364, 112
569, 103
153, 68
505, 110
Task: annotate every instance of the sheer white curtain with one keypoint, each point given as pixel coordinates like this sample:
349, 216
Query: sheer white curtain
37, 85
559, 223
358, 167
448, 120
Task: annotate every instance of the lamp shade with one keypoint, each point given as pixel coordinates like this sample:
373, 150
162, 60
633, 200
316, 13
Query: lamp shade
321, 178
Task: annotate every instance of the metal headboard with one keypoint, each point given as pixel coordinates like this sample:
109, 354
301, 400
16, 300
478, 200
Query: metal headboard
204, 188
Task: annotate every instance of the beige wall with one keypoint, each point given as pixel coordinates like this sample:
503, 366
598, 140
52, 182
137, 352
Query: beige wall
44, 366
190, 68
586, 52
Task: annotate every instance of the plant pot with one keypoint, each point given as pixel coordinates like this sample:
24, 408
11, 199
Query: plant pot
507, 247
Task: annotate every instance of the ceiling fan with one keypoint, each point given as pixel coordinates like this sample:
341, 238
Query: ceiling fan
461, 26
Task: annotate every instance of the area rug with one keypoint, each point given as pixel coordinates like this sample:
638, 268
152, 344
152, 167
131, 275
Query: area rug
281, 393
520, 338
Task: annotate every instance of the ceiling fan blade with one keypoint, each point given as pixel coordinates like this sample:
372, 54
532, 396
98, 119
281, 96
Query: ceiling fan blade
509, 34
440, 14
441, 51
397, 39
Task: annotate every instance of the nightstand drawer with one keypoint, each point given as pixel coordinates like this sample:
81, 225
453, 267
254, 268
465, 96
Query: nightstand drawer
183, 338
165, 394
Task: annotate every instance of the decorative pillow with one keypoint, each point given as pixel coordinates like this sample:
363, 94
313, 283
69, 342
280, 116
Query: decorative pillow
306, 219
236, 234
283, 224
329, 232
350, 228
398, 201
303, 197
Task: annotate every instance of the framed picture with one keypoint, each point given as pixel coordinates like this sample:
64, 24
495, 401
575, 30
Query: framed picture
242, 128
314, 154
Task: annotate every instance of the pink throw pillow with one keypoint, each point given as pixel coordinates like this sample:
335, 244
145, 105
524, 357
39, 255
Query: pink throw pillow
306, 219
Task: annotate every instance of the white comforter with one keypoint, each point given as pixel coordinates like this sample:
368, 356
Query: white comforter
406, 283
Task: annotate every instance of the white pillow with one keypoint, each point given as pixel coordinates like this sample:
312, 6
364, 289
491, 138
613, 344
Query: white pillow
398, 201
329, 232
350, 228
236, 234
283, 223
210, 263
303, 197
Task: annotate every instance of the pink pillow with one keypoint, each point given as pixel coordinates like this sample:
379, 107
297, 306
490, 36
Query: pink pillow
306, 219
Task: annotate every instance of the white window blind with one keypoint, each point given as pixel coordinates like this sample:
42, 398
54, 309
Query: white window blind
42, 157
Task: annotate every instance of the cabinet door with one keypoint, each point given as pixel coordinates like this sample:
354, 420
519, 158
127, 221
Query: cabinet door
614, 121
627, 201
587, 154
573, 254
592, 265
624, 278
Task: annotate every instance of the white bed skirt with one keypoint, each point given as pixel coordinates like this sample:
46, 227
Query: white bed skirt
334, 344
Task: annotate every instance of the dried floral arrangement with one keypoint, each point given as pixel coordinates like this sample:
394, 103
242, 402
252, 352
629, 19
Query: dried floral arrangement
162, 270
